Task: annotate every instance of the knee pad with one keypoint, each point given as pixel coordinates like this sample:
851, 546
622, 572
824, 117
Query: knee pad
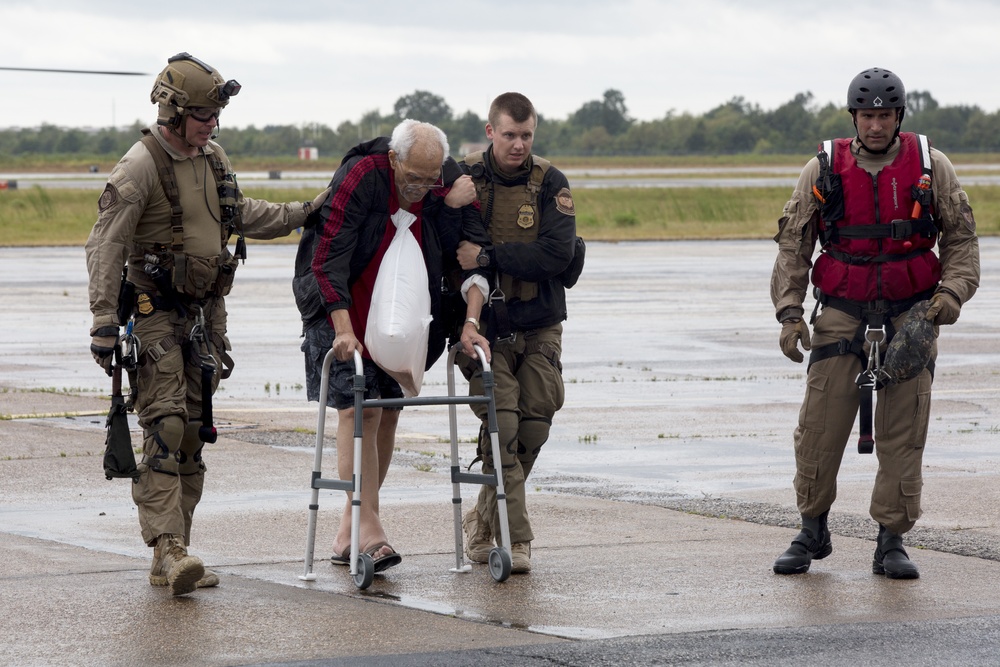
531, 435
162, 444
189, 457
507, 433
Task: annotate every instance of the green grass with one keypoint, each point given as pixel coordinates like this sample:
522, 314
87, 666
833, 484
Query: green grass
327, 165
43, 217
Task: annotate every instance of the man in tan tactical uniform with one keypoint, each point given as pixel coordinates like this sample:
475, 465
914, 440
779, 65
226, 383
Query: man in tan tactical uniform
528, 211
166, 215
878, 204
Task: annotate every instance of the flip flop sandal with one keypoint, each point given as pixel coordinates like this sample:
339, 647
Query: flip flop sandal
343, 558
383, 563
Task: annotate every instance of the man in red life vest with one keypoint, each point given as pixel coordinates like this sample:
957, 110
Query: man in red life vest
887, 242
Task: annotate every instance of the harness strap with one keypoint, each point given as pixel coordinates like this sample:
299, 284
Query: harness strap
498, 328
876, 315
165, 170
826, 190
859, 310
861, 260
896, 230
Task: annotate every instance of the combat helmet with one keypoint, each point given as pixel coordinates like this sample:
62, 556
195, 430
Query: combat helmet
188, 83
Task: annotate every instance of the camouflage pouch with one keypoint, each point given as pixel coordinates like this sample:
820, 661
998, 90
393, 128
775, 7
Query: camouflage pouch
909, 351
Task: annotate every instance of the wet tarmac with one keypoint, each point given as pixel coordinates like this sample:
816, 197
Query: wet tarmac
660, 501
671, 361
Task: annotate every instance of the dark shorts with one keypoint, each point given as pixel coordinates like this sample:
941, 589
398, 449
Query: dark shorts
378, 384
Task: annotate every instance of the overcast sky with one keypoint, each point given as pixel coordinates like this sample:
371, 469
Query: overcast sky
328, 61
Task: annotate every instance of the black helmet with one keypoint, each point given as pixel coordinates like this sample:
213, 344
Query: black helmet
876, 88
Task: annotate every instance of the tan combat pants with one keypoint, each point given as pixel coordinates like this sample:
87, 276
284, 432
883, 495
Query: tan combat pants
528, 392
827, 418
169, 409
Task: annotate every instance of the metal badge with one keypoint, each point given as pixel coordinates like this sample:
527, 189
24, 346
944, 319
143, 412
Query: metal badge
144, 304
526, 216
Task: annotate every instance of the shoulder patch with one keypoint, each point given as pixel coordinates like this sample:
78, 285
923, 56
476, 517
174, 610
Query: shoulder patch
970, 221
564, 202
108, 198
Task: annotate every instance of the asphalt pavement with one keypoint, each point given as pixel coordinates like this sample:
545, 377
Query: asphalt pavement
659, 503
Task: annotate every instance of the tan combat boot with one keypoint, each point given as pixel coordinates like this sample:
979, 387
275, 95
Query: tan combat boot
520, 553
173, 567
158, 573
478, 537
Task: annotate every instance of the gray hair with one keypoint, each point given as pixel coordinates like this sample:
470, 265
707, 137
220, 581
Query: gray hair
406, 134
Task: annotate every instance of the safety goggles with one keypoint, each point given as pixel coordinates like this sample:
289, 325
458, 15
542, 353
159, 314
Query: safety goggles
204, 114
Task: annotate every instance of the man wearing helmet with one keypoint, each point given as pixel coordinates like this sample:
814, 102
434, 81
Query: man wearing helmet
164, 222
878, 204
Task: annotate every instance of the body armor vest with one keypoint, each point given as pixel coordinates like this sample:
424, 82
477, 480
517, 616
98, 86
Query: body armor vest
873, 247
170, 267
511, 214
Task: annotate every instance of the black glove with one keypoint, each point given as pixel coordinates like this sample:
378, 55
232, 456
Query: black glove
102, 347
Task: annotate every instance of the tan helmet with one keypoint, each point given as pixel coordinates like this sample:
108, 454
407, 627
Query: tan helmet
187, 83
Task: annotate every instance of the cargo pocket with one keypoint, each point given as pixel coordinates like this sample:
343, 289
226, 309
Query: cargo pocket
909, 488
812, 416
806, 472
922, 414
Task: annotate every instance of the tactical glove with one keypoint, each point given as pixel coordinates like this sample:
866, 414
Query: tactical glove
944, 309
794, 331
102, 347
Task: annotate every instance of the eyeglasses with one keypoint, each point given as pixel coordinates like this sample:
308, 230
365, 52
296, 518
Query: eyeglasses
421, 185
204, 114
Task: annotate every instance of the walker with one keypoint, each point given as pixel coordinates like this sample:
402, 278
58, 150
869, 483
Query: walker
362, 567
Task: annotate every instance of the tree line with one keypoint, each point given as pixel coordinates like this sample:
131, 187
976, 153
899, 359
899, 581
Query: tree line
598, 128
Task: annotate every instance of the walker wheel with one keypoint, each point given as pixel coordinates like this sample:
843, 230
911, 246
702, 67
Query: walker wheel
500, 564
366, 571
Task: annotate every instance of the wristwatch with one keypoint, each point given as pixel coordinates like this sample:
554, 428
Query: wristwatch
483, 258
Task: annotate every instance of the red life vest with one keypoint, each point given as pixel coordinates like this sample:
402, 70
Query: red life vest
876, 250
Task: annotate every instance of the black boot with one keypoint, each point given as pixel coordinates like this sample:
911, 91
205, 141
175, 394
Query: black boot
812, 542
890, 557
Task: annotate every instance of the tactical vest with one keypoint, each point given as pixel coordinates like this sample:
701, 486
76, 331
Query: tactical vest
876, 244
195, 277
511, 214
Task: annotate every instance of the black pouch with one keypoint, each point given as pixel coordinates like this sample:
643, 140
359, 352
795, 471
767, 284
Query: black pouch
832, 204
227, 273
126, 299
119, 459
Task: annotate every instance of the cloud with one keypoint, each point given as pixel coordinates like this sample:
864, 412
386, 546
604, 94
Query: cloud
328, 62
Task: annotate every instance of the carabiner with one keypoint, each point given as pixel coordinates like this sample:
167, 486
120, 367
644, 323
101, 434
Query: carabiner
200, 342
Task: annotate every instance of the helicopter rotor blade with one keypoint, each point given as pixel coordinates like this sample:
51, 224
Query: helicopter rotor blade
71, 71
